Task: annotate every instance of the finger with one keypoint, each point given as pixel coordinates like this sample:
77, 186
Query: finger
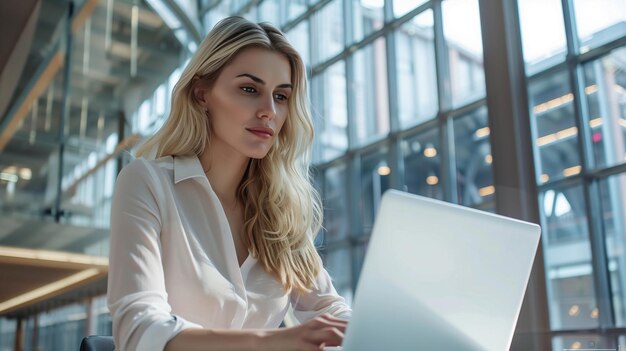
328, 336
342, 327
332, 318
310, 346
320, 322
327, 318
316, 328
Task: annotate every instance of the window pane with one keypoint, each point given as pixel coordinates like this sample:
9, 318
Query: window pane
329, 111
328, 31
401, 7
422, 164
294, 8
461, 27
251, 14
217, 13
552, 108
62, 328
473, 158
416, 72
103, 317
338, 264
7, 333
368, 17
606, 102
599, 21
581, 341
25, 192
567, 255
543, 33
335, 204
621, 340
269, 11
613, 199
371, 115
375, 173
236, 5
299, 38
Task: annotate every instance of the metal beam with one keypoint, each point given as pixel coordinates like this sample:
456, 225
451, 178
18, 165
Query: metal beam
123, 145
37, 86
40, 80
85, 13
512, 151
192, 25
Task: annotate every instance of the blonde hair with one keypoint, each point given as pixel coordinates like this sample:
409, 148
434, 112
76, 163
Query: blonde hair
282, 211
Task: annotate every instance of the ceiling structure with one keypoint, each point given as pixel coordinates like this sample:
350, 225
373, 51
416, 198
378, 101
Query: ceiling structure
119, 49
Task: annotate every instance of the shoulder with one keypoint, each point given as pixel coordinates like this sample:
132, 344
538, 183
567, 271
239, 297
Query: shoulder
143, 180
150, 172
147, 167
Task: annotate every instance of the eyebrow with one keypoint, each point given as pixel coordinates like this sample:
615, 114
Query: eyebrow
261, 81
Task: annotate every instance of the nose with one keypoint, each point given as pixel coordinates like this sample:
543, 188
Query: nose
267, 109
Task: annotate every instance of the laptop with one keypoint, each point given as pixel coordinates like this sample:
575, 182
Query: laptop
439, 276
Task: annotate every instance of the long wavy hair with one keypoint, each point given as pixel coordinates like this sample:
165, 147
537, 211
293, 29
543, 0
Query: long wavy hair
282, 210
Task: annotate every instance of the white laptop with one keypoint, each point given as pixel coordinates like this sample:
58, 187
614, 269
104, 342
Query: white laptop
439, 276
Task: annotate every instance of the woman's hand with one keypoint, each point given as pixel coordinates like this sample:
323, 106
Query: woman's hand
313, 335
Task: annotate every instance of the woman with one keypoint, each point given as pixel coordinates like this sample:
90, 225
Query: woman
213, 240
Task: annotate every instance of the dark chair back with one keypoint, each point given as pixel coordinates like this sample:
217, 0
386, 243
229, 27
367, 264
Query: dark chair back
97, 343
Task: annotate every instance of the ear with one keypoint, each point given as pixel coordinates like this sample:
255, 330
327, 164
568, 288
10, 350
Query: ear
199, 90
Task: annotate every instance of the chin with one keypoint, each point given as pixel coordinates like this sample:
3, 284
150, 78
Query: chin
258, 154
258, 151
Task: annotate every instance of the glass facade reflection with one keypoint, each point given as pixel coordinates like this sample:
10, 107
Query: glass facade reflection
327, 36
367, 16
416, 74
422, 164
330, 112
605, 95
375, 179
336, 213
473, 158
567, 251
461, 27
613, 205
369, 86
552, 105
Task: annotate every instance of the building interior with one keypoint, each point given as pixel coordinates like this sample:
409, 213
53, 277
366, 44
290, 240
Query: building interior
516, 108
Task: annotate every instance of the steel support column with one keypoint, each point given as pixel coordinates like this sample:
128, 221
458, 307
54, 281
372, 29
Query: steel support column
512, 151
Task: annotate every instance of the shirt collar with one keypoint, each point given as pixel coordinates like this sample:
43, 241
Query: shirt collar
186, 167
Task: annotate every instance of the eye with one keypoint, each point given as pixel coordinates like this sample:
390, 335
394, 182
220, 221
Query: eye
281, 97
249, 90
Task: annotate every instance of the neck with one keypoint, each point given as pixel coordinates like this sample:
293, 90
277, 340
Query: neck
225, 171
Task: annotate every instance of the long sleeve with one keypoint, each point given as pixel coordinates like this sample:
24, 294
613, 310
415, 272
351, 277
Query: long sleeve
321, 299
137, 298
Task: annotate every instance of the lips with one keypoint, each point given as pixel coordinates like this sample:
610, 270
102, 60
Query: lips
261, 131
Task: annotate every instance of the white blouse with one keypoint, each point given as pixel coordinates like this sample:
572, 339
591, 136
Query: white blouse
173, 263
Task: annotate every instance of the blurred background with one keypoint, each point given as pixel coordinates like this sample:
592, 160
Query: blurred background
401, 99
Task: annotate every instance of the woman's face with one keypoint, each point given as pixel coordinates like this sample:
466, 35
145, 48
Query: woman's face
248, 103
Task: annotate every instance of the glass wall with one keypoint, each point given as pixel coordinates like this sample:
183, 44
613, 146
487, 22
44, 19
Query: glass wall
416, 73
422, 164
473, 158
577, 107
393, 108
7, 334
